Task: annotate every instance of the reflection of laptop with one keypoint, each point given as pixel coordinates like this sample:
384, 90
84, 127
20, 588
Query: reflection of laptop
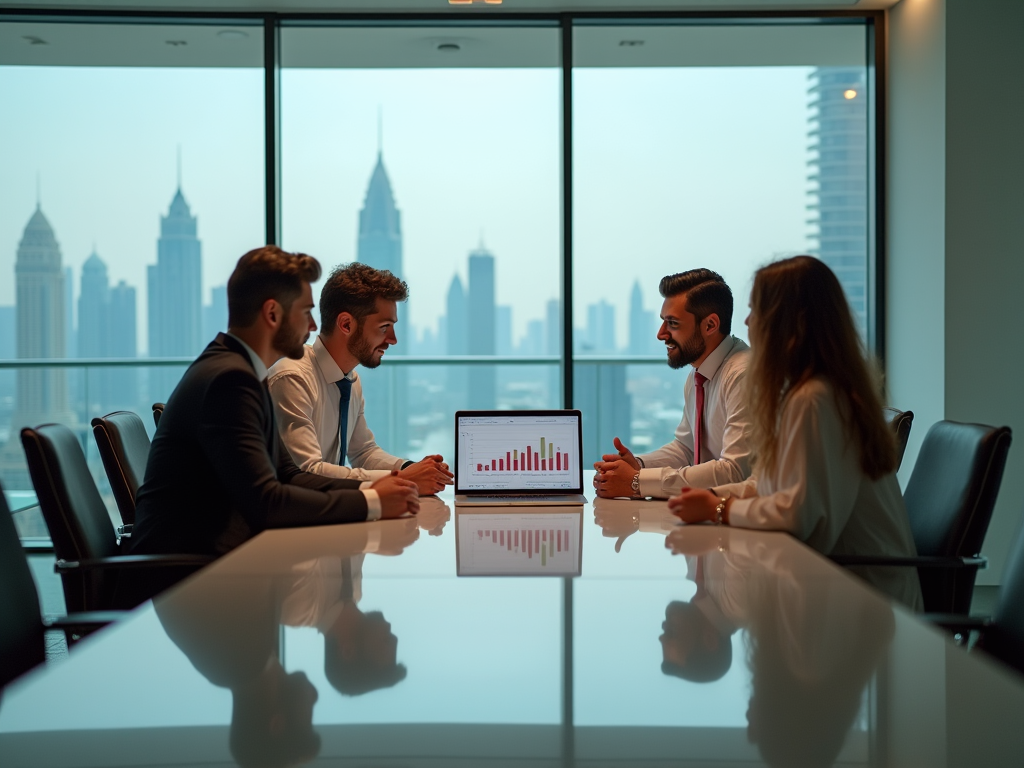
505, 458
541, 542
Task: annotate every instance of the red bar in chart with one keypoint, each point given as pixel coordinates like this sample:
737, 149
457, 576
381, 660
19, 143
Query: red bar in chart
479, 467
501, 465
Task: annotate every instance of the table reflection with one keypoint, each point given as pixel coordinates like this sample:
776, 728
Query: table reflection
543, 541
813, 644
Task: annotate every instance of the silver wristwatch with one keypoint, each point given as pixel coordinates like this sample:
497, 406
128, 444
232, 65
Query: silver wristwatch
635, 485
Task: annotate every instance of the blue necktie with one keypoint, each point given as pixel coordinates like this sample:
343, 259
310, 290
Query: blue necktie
345, 387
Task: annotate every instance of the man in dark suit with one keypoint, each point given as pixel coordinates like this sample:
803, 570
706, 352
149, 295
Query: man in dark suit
217, 471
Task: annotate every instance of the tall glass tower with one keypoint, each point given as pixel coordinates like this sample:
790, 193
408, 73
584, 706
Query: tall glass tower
380, 246
42, 393
175, 295
840, 168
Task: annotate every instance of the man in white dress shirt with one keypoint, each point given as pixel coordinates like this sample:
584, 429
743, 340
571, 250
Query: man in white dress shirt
710, 446
319, 398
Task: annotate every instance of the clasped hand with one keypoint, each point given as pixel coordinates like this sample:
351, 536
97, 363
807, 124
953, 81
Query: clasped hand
615, 472
693, 505
430, 474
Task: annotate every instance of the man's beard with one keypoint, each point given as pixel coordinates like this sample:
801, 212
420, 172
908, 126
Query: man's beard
290, 341
362, 351
690, 351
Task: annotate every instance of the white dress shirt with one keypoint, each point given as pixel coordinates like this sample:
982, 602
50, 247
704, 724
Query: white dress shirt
373, 509
319, 590
725, 455
819, 494
307, 400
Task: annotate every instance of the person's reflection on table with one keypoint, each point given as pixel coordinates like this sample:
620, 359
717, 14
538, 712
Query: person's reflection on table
360, 651
619, 519
433, 515
813, 645
229, 632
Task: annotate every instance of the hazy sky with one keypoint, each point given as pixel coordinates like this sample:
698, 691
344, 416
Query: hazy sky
674, 168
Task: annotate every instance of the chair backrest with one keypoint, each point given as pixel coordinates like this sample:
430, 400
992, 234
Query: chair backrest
950, 497
71, 505
1004, 638
21, 630
900, 422
158, 411
124, 447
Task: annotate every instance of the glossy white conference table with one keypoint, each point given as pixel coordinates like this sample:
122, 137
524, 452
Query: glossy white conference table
802, 663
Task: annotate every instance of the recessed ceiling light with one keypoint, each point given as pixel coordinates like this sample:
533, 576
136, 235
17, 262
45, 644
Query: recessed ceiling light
33, 40
449, 47
849, 93
232, 34
176, 43
630, 43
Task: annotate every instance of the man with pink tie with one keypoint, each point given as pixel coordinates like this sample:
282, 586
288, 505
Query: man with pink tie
711, 443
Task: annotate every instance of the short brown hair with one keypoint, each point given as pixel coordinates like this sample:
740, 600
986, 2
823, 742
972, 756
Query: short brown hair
267, 273
355, 288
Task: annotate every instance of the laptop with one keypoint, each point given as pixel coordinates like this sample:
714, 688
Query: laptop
518, 458
543, 541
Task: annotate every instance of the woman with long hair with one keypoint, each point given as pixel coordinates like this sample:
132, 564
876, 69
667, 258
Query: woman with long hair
825, 460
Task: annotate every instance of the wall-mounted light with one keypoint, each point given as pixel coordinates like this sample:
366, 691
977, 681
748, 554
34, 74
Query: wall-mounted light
849, 93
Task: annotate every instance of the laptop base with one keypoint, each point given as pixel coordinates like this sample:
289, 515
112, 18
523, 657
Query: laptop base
572, 500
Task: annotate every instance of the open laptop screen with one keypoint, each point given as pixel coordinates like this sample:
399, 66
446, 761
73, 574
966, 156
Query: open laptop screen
518, 452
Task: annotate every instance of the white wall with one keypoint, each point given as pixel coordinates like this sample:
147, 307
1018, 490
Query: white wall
956, 240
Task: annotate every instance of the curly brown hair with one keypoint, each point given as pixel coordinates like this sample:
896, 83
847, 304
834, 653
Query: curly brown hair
355, 288
267, 273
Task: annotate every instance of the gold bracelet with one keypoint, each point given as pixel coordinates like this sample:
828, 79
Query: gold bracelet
720, 511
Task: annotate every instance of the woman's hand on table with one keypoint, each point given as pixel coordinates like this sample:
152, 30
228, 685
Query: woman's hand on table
694, 505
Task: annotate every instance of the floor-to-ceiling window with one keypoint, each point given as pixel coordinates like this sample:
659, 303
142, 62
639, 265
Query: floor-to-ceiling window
716, 146
131, 180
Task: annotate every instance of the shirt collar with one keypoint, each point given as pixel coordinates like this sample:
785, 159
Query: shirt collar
328, 366
257, 363
714, 361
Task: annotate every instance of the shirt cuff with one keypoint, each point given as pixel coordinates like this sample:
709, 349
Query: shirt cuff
406, 463
650, 483
373, 511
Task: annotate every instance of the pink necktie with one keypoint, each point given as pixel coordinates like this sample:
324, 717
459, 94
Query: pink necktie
698, 421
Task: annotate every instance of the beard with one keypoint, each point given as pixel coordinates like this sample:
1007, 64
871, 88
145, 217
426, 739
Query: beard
362, 351
290, 341
691, 350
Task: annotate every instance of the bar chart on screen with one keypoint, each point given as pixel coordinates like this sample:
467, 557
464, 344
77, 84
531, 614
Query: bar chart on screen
518, 544
523, 451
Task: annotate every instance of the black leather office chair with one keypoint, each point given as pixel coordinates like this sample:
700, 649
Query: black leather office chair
950, 498
1003, 637
124, 447
21, 631
158, 411
89, 555
900, 422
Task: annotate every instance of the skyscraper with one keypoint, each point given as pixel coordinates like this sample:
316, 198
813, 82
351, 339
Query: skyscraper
841, 172
456, 336
175, 295
481, 337
42, 393
643, 338
600, 334
106, 329
380, 246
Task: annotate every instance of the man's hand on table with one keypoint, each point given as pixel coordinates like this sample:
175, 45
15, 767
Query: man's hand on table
430, 474
397, 496
614, 478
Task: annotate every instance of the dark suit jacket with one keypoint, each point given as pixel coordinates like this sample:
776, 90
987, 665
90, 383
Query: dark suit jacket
218, 472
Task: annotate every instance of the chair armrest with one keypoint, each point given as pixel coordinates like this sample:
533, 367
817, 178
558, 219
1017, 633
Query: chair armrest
132, 561
85, 620
911, 562
125, 531
956, 622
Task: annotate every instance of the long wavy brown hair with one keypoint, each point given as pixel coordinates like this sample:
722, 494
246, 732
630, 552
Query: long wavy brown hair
801, 327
